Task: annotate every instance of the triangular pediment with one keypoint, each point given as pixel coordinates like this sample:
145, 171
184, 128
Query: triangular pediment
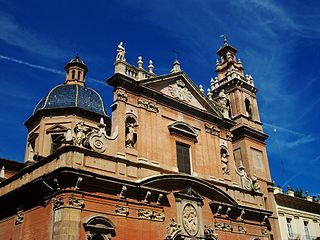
56, 128
188, 193
180, 88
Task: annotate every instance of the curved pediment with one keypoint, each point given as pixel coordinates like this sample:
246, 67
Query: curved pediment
185, 184
183, 129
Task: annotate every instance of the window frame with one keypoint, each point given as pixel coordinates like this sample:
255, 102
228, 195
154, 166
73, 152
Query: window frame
187, 146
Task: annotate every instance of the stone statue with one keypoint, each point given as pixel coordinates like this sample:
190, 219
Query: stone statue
224, 161
223, 104
80, 134
131, 135
121, 51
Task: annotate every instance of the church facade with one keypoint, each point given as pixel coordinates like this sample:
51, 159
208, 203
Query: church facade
172, 162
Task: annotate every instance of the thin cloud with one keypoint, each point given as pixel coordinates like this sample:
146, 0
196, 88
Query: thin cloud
14, 34
44, 68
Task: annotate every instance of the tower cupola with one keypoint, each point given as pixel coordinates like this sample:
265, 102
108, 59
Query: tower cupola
76, 71
228, 60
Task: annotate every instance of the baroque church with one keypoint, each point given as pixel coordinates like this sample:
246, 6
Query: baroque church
171, 162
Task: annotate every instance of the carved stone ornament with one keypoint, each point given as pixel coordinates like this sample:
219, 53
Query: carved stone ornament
80, 132
57, 202
158, 216
219, 225
264, 231
145, 213
179, 90
122, 211
122, 95
151, 215
97, 141
19, 217
212, 130
242, 229
209, 232
190, 219
76, 202
173, 229
229, 136
227, 227
149, 106
90, 138
246, 182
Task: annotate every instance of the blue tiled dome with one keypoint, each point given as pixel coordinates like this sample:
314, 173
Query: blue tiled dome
72, 95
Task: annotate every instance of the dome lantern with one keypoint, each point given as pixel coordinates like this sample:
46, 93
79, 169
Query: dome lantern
76, 71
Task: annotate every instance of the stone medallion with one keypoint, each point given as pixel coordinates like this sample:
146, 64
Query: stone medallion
190, 219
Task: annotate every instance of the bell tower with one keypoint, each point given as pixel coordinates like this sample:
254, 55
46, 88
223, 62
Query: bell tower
241, 106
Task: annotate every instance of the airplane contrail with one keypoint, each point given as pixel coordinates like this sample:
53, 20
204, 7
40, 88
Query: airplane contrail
44, 68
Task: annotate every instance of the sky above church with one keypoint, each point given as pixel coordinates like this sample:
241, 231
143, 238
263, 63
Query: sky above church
277, 41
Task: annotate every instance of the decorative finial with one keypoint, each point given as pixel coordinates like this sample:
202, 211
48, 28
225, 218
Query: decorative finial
201, 89
150, 67
225, 41
140, 62
176, 67
2, 175
209, 94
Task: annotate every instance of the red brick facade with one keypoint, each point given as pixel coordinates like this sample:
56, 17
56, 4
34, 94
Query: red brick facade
128, 179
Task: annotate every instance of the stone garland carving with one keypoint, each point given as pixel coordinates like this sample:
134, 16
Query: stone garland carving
122, 95
247, 182
172, 229
223, 226
149, 106
179, 90
242, 229
57, 202
19, 217
122, 211
76, 202
151, 215
212, 130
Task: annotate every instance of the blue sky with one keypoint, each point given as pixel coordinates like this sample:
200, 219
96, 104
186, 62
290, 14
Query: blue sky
277, 41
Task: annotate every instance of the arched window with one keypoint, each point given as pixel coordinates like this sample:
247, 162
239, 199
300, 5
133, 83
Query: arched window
248, 108
73, 74
99, 228
79, 75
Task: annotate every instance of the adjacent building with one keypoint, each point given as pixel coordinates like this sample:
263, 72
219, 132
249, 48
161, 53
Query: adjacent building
173, 161
299, 219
